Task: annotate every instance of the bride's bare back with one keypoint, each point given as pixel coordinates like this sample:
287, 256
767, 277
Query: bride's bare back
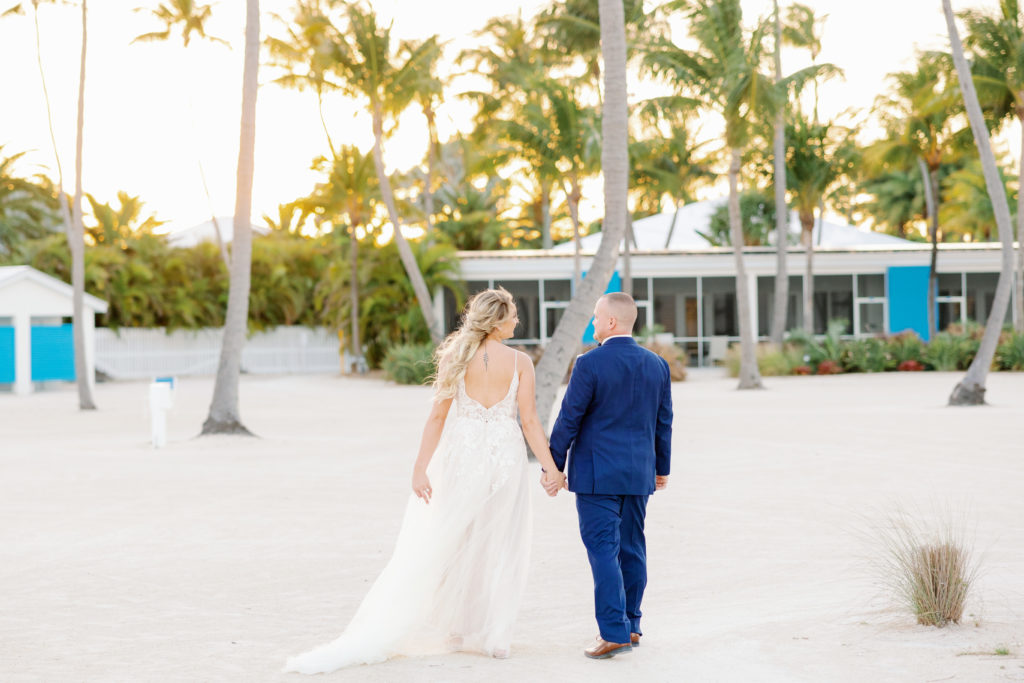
488, 382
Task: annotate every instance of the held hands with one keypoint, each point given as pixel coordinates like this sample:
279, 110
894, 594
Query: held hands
421, 485
552, 482
660, 482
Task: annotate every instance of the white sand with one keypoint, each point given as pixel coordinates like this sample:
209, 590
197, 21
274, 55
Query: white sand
214, 559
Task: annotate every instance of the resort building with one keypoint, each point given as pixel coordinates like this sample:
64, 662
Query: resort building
877, 283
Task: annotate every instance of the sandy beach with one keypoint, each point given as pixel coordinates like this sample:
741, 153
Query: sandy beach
214, 559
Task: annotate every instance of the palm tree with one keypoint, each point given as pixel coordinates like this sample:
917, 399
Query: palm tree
349, 197
615, 167
190, 17
360, 61
428, 94
513, 114
224, 415
817, 156
76, 239
116, 225
723, 73
997, 47
966, 207
971, 389
781, 303
28, 208
897, 199
922, 117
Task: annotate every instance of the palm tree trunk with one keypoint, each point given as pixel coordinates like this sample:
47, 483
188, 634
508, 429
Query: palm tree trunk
224, 415
1018, 312
971, 389
353, 293
807, 240
750, 375
779, 312
428, 196
573, 200
545, 215
412, 269
76, 242
615, 168
627, 259
64, 210
933, 222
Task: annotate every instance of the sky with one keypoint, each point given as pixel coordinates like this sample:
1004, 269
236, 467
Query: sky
155, 110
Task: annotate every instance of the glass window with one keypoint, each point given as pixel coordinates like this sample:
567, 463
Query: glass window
640, 288
950, 284
871, 285
452, 311
553, 316
675, 305
720, 306
981, 291
872, 318
766, 303
641, 319
949, 313
527, 296
833, 300
557, 290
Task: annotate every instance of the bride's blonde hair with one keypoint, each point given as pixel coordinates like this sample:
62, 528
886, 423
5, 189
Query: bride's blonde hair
484, 312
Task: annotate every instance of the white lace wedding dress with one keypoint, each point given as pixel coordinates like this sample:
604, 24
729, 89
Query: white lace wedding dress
459, 567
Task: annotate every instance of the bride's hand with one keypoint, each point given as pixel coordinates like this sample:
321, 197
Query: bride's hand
421, 485
552, 482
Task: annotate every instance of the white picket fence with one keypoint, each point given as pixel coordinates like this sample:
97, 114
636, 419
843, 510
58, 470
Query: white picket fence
143, 353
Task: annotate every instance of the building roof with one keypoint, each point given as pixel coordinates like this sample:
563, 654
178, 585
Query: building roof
205, 232
680, 230
9, 275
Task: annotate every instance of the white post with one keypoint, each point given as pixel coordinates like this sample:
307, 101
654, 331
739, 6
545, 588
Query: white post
439, 308
752, 297
89, 320
22, 353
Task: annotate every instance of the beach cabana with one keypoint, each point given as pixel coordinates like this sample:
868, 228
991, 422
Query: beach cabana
35, 329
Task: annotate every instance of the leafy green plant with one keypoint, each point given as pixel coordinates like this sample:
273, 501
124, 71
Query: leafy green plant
948, 351
827, 348
409, 363
905, 346
1010, 352
771, 361
867, 355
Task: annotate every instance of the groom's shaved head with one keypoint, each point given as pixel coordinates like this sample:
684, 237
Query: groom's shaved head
621, 307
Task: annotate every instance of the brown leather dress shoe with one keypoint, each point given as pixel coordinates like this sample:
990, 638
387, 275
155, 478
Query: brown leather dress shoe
602, 649
634, 639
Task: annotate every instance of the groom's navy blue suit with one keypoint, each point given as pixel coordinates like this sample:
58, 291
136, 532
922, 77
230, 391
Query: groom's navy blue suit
615, 429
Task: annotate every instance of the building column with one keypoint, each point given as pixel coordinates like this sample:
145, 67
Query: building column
90, 349
752, 294
439, 309
22, 353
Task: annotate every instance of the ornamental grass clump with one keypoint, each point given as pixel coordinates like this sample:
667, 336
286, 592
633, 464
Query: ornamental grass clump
931, 570
1010, 352
409, 363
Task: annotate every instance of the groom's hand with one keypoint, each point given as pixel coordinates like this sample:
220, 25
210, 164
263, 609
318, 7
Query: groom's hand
660, 482
552, 482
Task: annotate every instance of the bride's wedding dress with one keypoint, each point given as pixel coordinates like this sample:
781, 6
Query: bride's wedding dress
459, 567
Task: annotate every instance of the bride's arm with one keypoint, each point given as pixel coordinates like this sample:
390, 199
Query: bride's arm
532, 428
428, 444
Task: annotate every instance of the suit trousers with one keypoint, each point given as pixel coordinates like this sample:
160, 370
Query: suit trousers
612, 528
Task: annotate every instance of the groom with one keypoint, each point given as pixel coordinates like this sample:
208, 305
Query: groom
615, 427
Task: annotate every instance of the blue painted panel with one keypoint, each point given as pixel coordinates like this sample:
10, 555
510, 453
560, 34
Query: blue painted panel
614, 285
6, 355
908, 300
53, 353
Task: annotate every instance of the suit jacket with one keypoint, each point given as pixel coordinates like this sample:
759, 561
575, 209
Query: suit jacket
615, 425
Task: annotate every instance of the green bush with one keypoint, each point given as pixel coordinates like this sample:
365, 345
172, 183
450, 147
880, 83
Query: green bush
948, 352
867, 355
828, 348
905, 346
771, 361
409, 363
1010, 352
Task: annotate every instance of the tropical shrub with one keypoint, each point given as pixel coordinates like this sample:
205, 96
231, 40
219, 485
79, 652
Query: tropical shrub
409, 363
910, 366
1010, 352
771, 361
905, 346
828, 348
949, 351
867, 355
673, 355
829, 367
802, 370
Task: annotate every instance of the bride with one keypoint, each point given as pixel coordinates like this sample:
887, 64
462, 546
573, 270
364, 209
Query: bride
459, 566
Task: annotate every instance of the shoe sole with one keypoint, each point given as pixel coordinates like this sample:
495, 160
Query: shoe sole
611, 653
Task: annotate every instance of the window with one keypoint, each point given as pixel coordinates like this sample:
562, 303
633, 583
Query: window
527, 296
870, 305
452, 311
766, 303
675, 305
952, 303
833, 300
